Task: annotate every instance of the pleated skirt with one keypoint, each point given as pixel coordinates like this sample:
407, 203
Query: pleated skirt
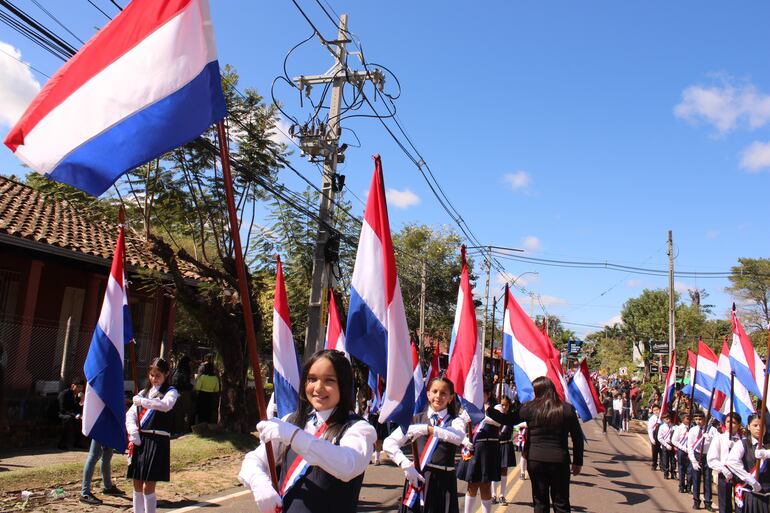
151, 461
484, 466
440, 493
755, 503
507, 454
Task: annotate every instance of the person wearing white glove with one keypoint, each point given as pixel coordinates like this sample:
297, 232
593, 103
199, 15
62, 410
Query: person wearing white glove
697, 444
666, 449
741, 461
718, 450
324, 431
435, 434
150, 459
678, 441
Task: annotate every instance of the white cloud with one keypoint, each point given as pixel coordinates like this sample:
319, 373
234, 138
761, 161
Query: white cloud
712, 234
523, 280
531, 243
519, 180
682, 288
725, 105
756, 156
618, 319
402, 199
553, 301
17, 85
632, 284
279, 134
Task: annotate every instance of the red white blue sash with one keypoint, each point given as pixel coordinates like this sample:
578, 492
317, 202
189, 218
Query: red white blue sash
412, 493
298, 467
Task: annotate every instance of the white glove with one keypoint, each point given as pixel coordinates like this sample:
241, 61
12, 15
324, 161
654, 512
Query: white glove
467, 444
135, 438
414, 477
276, 430
762, 454
708, 437
267, 499
695, 465
417, 430
138, 400
754, 484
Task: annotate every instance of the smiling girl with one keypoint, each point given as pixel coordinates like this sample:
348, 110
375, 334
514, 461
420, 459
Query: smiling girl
436, 433
322, 449
149, 422
742, 460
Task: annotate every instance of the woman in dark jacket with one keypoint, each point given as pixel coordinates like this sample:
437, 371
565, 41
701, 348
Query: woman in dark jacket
549, 421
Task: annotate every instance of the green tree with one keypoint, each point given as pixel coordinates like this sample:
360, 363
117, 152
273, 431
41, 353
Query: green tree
750, 281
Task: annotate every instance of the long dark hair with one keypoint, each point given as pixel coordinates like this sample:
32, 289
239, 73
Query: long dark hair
341, 413
160, 365
548, 407
451, 407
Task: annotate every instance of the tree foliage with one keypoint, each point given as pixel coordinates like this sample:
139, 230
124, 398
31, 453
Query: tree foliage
750, 281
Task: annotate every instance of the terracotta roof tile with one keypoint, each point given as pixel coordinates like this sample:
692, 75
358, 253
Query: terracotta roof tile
33, 215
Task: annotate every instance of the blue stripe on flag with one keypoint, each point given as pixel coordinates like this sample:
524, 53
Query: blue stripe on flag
367, 338
285, 395
171, 122
104, 372
403, 413
523, 384
476, 414
744, 375
128, 331
507, 352
578, 401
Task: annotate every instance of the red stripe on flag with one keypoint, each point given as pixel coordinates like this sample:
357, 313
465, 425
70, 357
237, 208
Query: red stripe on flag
464, 350
705, 351
138, 20
376, 215
281, 302
117, 261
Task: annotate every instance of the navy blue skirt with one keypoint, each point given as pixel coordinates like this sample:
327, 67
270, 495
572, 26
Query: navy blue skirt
484, 466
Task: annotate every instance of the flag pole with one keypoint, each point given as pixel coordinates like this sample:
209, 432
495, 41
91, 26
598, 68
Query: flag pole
762, 414
240, 267
692, 385
502, 336
132, 343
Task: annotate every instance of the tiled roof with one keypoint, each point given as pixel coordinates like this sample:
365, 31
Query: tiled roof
32, 215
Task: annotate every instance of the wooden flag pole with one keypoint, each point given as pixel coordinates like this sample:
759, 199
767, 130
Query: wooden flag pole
132, 343
502, 336
240, 267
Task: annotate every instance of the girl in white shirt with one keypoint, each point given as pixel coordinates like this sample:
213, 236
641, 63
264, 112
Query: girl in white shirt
149, 423
322, 449
742, 459
431, 483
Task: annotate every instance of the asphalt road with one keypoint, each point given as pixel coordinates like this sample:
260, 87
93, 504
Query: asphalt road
616, 478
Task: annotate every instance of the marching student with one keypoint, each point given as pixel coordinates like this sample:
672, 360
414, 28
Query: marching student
550, 422
149, 423
431, 483
507, 454
679, 441
716, 457
698, 441
480, 464
742, 459
666, 449
653, 423
322, 448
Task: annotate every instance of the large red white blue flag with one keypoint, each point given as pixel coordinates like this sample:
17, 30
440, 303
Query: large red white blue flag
529, 351
465, 358
377, 331
285, 362
748, 366
420, 391
583, 394
335, 336
741, 400
104, 409
146, 83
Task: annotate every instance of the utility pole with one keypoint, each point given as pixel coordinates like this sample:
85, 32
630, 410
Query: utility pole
492, 344
423, 286
671, 324
324, 141
488, 265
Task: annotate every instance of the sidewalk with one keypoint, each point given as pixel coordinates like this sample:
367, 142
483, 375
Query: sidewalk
39, 457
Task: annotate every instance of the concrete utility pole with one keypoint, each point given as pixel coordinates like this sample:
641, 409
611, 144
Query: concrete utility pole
423, 287
325, 142
488, 266
671, 325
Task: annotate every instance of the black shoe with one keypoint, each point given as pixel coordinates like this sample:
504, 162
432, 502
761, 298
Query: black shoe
502, 500
494, 500
113, 490
682, 490
708, 507
696, 505
666, 476
90, 499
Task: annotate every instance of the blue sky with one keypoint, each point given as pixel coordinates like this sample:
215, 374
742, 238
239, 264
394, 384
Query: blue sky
574, 130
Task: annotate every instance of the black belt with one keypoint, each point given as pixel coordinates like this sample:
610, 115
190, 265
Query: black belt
439, 467
487, 440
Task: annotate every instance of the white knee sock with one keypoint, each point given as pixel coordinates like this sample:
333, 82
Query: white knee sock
150, 502
503, 484
495, 485
470, 503
486, 506
138, 502
377, 456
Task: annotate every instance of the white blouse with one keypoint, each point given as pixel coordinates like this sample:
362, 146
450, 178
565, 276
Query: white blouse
453, 433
